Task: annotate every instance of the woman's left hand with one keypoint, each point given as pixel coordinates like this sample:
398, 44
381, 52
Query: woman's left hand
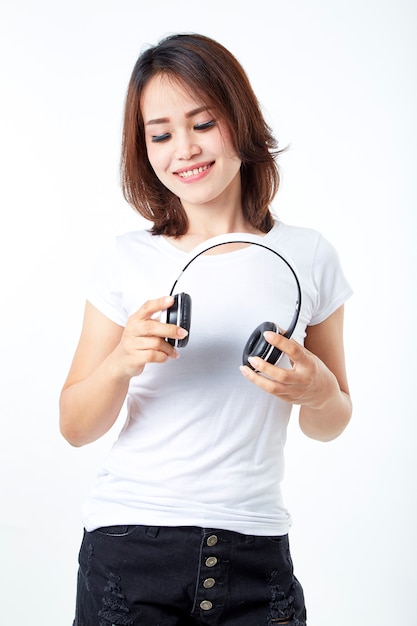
309, 382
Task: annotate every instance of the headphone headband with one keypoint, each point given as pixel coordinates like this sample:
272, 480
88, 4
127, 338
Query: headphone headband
222, 240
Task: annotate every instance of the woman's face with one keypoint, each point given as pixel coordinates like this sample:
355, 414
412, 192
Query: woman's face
188, 146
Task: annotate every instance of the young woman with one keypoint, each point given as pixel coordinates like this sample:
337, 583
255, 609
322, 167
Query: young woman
186, 524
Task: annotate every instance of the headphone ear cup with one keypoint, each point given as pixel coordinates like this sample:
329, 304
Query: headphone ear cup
257, 345
180, 315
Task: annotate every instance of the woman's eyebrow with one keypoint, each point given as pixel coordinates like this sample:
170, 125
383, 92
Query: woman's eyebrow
196, 111
165, 120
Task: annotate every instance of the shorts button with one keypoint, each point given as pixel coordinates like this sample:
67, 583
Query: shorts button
206, 605
212, 540
211, 561
208, 583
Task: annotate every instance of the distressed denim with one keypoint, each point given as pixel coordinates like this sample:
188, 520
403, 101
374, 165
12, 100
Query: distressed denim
186, 576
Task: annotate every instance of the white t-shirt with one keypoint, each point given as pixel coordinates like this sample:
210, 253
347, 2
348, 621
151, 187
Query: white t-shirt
201, 445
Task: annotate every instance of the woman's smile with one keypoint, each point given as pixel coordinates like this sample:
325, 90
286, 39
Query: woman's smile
195, 172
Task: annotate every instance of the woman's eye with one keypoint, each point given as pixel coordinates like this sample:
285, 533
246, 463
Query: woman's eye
163, 137
205, 125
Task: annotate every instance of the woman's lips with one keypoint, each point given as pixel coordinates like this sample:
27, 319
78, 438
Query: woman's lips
194, 172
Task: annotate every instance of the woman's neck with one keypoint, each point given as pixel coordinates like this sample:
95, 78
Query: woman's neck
198, 233
205, 222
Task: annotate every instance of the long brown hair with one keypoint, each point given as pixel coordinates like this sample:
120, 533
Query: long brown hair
210, 71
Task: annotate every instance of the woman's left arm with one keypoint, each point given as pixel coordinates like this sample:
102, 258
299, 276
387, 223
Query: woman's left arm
317, 380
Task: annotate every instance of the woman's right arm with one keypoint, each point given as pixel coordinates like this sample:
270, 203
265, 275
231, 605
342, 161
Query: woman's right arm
106, 358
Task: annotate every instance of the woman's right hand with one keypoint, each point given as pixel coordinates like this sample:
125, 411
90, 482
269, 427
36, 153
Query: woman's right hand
106, 358
144, 338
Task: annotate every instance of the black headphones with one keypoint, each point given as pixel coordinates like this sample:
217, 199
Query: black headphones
180, 311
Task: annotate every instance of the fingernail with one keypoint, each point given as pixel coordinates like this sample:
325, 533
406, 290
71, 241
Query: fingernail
269, 335
254, 360
182, 333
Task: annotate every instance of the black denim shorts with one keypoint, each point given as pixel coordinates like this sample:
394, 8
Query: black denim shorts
186, 576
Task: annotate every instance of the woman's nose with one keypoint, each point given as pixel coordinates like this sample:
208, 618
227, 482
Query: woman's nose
187, 148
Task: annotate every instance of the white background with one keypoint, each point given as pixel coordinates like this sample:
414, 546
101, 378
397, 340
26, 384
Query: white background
337, 82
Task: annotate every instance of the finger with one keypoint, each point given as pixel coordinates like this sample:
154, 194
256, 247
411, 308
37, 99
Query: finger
150, 320
151, 328
157, 348
274, 372
152, 308
263, 382
291, 348
171, 331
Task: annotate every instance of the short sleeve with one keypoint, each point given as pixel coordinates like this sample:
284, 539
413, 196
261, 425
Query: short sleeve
105, 284
331, 284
